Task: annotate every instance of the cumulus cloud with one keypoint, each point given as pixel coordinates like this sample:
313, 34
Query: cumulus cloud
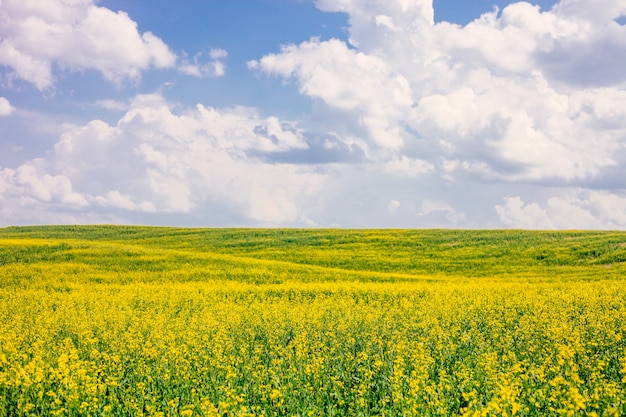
518, 96
38, 35
346, 80
580, 209
5, 107
486, 97
156, 160
515, 213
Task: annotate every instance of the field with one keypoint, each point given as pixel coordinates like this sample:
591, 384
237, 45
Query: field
140, 321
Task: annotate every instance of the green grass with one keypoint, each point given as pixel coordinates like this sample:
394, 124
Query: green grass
353, 253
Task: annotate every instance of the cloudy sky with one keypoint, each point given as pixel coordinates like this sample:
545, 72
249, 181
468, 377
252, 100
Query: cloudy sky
303, 113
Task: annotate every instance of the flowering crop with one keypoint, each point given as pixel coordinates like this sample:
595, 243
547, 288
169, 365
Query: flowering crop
115, 321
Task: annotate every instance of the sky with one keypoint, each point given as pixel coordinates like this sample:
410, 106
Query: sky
314, 113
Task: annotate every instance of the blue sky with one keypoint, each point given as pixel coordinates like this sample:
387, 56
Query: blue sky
302, 113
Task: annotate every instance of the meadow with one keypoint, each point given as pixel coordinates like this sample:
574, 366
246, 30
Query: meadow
146, 321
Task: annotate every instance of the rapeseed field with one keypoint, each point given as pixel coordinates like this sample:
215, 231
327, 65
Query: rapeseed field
141, 321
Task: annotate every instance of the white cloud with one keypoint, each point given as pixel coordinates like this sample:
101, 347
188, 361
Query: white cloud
581, 209
213, 68
360, 84
116, 199
432, 206
32, 186
490, 95
158, 161
393, 206
108, 104
514, 213
407, 166
77, 35
593, 10
363, 13
5, 107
